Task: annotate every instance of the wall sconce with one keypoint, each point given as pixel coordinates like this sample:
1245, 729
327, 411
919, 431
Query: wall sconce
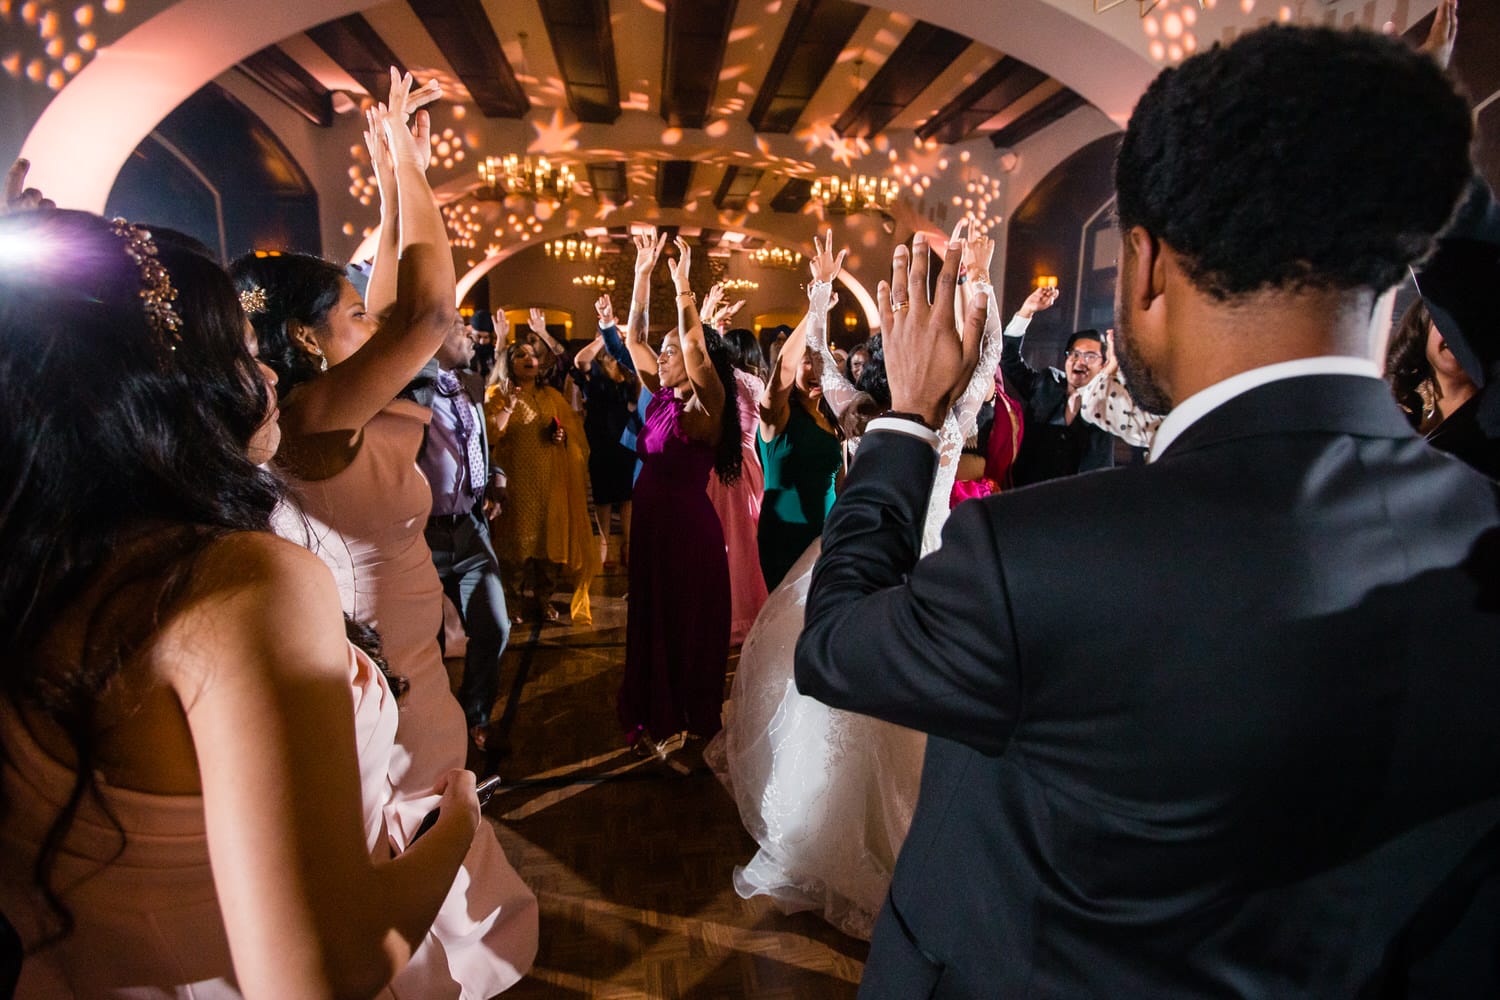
850, 321
1046, 281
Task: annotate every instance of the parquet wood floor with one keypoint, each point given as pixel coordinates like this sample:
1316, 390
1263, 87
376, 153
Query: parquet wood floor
631, 860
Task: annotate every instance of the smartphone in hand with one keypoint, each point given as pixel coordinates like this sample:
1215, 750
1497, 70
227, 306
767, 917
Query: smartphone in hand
486, 790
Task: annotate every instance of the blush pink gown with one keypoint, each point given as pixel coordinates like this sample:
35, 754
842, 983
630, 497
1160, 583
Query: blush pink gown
366, 522
738, 507
148, 922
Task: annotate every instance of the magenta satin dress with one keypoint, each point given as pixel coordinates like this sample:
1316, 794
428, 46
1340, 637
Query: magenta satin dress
677, 628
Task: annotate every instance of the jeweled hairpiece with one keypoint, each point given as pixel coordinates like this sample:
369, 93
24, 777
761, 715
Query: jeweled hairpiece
253, 301
157, 294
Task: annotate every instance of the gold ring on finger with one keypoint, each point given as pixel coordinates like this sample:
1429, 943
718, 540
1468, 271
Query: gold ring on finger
900, 306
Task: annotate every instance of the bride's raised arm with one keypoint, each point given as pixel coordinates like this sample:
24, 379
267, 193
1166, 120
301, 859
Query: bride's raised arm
838, 391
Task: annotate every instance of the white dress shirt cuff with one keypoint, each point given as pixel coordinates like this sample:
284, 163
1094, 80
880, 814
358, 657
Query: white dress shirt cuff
1017, 326
902, 426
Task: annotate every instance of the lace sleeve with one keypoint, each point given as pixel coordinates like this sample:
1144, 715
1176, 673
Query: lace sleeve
837, 390
966, 410
1106, 403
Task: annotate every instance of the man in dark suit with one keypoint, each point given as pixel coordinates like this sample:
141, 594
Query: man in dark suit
1265, 763
1057, 442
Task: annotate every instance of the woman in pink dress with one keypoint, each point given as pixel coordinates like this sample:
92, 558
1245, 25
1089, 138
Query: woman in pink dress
738, 506
194, 806
677, 629
349, 455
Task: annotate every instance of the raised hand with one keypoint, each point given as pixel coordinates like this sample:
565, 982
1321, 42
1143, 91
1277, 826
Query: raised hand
825, 266
648, 251
711, 304
1111, 359
1444, 33
1039, 300
502, 330
19, 197
679, 268
927, 361
727, 313
606, 311
412, 144
537, 320
978, 252
381, 158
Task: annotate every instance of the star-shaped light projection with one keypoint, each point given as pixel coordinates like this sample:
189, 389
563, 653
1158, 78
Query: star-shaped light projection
555, 135
843, 150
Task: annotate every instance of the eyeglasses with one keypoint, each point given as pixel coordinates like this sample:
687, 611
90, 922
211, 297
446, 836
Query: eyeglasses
1084, 356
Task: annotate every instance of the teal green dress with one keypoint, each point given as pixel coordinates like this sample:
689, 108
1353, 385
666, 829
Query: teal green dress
801, 466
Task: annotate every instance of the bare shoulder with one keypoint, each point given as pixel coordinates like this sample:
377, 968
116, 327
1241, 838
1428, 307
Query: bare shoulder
257, 600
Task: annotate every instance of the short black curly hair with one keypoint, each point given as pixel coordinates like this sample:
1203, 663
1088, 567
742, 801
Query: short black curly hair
1296, 158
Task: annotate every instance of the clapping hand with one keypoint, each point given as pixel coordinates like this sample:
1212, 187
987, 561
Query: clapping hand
19, 197
927, 362
413, 145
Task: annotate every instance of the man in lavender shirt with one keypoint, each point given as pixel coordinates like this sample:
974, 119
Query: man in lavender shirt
455, 460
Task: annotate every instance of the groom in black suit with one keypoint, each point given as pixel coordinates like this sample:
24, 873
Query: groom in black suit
1265, 764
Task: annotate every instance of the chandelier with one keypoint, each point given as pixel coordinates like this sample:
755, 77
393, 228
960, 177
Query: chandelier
856, 193
597, 282
786, 260
572, 250
739, 285
536, 178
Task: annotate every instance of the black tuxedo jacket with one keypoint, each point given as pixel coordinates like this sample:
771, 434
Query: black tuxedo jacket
1049, 451
1222, 725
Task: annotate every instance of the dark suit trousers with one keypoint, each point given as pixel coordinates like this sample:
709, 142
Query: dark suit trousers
466, 564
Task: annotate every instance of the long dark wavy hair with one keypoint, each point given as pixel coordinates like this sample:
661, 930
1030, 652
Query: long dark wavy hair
297, 287
1406, 364
111, 441
729, 458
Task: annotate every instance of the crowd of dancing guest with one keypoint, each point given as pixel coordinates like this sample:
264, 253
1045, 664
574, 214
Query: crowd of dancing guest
233, 761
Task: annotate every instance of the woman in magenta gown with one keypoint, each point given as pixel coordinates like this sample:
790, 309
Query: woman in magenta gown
677, 628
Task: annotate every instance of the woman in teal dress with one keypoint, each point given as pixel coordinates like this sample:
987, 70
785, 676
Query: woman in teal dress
801, 456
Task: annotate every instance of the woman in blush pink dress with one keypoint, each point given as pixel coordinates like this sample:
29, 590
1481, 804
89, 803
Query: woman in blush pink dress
738, 506
349, 454
193, 760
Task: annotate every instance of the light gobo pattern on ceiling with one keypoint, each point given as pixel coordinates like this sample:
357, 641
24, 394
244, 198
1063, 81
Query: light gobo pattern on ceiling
48, 42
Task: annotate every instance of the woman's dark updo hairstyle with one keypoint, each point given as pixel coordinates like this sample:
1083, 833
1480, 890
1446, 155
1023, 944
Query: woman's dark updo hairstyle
745, 353
1406, 364
118, 454
728, 455
297, 287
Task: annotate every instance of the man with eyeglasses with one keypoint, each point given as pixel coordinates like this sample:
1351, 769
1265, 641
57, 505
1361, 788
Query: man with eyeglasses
1056, 442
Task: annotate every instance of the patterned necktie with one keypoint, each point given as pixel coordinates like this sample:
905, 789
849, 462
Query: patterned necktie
449, 386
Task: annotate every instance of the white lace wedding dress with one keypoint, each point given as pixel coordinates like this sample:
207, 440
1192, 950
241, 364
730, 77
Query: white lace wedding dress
828, 795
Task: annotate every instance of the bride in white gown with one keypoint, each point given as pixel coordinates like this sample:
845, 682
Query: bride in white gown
829, 795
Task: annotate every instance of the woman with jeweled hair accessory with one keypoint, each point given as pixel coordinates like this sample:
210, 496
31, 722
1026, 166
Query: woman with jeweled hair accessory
349, 454
190, 805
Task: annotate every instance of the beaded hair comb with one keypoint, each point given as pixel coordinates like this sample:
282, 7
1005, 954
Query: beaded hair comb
253, 301
157, 293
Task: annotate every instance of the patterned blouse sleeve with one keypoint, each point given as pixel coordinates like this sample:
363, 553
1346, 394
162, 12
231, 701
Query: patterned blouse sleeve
1106, 403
